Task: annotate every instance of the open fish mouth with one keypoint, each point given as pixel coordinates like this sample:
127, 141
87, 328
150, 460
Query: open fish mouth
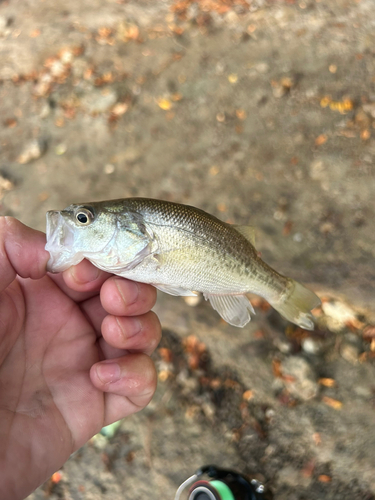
60, 240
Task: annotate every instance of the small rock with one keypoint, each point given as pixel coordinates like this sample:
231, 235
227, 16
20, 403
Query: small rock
299, 378
231, 17
318, 171
109, 169
99, 101
338, 315
350, 352
3, 26
290, 476
193, 301
311, 346
262, 68
61, 149
45, 111
369, 109
5, 185
297, 237
33, 150
283, 345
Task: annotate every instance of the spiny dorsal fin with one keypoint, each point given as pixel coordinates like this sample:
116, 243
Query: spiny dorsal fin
247, 231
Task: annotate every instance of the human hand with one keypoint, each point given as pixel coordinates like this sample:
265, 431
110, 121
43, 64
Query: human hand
74, 357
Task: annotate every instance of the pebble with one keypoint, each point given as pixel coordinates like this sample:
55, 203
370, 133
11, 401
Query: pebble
262, 68
303, 384
311, 346
32, 151
98, 101
3, 25
109, 169
338, 315
193, 301
350, 352
369, 108
290, 476
61, 149
5, 185
283, 346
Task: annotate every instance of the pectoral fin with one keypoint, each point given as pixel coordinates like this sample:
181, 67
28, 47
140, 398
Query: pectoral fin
234, 309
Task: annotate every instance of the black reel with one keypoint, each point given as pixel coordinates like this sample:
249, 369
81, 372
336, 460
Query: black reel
222, 484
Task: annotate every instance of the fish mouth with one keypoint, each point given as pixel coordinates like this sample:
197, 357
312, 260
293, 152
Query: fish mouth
60, 239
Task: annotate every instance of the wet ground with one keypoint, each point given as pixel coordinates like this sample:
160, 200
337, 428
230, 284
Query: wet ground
261, 113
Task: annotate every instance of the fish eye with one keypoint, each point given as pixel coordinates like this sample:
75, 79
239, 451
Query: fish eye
84, 216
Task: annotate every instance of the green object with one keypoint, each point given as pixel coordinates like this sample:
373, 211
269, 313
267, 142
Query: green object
110, 430
223, 490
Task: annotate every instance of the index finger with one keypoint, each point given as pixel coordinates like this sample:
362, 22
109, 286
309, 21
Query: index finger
123, 297
21, 252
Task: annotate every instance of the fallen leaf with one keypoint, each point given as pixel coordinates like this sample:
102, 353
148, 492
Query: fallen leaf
10, 122
35, 33
317, 438
247, 395
321, 139
327, 382
323, 478
120, 108
56, 477
166, 354
164, 375
177, 96
241, 114
164, 103
333, 403
365, 135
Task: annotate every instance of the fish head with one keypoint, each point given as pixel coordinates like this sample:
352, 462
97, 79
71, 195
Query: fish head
77, 232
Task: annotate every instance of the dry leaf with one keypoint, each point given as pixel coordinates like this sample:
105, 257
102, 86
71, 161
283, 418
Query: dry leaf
321, 139
327, 382
323, 478
334, 403
247, 395
164, 103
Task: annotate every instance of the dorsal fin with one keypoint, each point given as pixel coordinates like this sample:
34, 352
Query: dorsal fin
247, 231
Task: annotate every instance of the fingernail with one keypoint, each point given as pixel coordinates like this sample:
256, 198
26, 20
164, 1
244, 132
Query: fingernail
89, 273
128, 290
108, 372
133, 326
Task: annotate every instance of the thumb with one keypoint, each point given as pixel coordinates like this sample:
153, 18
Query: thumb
21, 252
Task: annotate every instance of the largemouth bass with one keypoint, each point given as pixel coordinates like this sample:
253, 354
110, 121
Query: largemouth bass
180, 250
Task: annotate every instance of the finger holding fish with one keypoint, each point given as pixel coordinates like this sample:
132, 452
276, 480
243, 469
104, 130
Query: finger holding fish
122, 297
134, 334
84, 277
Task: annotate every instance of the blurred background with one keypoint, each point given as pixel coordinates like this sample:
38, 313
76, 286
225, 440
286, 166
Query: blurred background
260, 112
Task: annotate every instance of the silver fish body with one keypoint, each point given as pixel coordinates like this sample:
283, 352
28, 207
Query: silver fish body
177, 248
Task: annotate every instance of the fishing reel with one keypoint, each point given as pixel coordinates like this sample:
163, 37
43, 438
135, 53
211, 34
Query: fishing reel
221, 484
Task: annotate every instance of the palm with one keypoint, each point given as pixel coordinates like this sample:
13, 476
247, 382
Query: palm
74, 356
52, 400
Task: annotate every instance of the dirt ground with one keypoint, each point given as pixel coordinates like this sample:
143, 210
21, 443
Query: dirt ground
261, 112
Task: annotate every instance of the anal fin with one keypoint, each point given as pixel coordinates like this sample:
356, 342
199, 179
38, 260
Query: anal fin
234, 309
174, 290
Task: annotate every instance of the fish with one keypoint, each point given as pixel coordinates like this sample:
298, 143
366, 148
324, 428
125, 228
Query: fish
180, 250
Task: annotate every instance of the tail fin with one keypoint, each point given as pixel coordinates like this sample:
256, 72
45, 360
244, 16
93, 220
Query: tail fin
296, 303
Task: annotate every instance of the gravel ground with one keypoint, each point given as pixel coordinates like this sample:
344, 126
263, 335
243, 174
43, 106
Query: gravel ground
261, 112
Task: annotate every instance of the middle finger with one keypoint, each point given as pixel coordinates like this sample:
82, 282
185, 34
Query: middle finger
135, 334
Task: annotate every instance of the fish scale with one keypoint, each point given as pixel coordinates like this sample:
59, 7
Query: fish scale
177, 248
